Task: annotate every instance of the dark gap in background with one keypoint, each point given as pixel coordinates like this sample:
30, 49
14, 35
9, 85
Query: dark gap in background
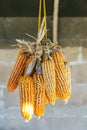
29, 8
23, 8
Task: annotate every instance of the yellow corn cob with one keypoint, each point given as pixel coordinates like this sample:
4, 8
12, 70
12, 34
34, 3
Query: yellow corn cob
39, 107
26, 89
48, 70
63, 82
68, 78
17, 71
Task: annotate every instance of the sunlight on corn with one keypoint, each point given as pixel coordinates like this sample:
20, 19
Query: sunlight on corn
27, 111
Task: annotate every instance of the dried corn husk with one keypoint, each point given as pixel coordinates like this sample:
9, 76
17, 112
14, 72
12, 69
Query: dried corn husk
30, 66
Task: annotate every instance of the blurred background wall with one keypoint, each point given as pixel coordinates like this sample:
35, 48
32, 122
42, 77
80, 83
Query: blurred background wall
20, 17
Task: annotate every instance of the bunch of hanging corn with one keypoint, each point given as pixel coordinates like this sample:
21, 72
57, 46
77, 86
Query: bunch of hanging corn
42, 74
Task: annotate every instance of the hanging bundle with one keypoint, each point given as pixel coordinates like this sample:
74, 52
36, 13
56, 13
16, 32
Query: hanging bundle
41, 72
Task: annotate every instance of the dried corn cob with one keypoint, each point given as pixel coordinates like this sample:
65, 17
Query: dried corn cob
17, 71
48, 70
39, 107
62, 76
26, 89
68, 78
30, 65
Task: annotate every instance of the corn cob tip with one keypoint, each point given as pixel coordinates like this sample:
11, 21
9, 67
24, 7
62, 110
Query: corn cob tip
10, 88
66, 97
65, 101
53, 104
27, 112
39, 111
26, 121
39, 118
